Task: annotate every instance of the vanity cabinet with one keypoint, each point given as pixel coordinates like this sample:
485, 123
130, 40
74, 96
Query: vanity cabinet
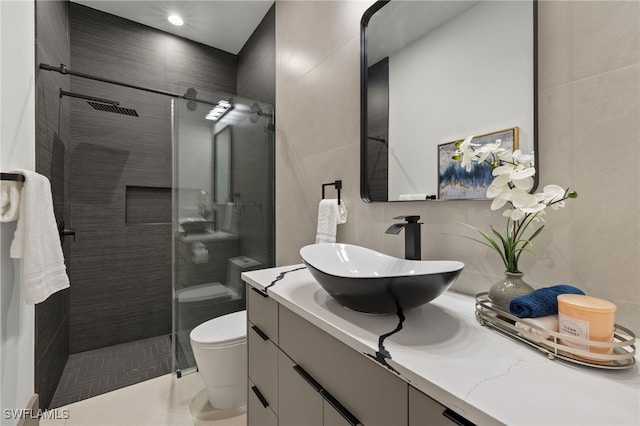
300, 375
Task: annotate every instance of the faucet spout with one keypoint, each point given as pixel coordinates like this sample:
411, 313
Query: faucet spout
395, 228
412, 243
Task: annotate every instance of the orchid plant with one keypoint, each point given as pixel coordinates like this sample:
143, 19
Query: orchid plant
513, 180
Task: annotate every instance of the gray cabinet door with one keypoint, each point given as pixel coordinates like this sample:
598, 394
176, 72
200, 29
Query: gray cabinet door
263, 364
375, 396
263, 312
300, 404
257, 413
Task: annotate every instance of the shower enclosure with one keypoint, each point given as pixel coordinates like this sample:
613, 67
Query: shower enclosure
223, 206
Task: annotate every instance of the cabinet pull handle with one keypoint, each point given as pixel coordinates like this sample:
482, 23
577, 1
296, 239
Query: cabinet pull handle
456, 418
350, 418
260, 292
307, 378
262, 399
260, 333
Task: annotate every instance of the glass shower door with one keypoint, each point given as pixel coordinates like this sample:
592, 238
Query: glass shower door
223, 207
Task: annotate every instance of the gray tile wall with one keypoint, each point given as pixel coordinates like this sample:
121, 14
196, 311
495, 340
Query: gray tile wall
52, 159
121, 275
253, 166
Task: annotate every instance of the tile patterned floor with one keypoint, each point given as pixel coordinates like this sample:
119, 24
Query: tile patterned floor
95, 372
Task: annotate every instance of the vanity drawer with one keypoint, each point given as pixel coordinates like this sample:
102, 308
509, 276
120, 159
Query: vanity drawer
424, 410
263, 365
371, 393
263, 313
257, 413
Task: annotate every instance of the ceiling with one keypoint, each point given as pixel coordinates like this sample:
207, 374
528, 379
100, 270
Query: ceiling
226, 25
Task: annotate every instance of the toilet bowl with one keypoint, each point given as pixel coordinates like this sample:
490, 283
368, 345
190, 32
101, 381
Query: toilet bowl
220, 349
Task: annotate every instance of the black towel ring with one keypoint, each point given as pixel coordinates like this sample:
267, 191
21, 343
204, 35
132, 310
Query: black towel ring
337, 185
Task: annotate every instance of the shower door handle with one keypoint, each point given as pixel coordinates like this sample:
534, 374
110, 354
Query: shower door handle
65, 232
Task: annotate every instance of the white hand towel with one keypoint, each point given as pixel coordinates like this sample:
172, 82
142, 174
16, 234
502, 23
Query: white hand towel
37, 241
9, 200
231, 218
330, 215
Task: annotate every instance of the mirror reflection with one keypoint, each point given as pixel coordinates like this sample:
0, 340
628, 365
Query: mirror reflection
434, 73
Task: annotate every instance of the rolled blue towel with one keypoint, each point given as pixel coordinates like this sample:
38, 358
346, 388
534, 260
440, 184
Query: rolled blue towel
541, 302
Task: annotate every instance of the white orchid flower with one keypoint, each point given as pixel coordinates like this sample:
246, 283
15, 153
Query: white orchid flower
525, 160
487, 149
514, 214
553, 193
468, 154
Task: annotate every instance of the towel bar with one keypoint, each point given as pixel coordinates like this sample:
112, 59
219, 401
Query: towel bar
12, 176
337, 184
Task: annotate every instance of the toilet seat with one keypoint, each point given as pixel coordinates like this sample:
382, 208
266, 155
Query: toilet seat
221, 331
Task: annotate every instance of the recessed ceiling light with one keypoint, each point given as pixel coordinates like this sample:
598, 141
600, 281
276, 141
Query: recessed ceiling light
176, 20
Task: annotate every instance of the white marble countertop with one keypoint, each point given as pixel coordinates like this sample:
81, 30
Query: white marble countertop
444, 352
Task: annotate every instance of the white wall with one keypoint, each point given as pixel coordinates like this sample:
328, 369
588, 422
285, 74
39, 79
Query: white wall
17, 150
434, 95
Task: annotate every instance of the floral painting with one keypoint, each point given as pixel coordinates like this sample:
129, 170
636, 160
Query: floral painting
455, 181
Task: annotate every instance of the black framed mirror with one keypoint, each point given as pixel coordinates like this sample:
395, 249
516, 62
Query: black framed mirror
433, 73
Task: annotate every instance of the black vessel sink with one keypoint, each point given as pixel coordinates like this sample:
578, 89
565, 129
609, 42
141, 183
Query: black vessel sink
368, 281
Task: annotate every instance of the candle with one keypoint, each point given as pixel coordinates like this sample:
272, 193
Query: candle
587, 317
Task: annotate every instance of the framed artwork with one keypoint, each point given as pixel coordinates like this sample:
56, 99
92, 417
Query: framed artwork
454, 182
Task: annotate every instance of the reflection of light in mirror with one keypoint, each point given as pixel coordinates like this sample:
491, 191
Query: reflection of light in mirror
219, 110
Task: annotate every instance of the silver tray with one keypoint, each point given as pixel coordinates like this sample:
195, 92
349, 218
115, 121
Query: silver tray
623, 345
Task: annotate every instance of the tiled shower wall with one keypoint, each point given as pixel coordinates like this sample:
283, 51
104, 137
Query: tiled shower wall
121, 273
589, 104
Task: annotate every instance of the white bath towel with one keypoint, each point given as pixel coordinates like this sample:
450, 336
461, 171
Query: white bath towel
9, 200
330, 215
37, 241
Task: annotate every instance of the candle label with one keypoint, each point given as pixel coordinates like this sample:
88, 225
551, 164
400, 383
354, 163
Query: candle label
574, 327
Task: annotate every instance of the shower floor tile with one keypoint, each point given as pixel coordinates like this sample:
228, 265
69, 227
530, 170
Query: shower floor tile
98, 371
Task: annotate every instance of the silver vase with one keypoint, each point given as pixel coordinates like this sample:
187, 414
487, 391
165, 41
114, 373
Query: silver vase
506, 289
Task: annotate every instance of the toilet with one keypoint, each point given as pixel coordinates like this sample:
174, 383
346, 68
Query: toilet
201, 302
220, 348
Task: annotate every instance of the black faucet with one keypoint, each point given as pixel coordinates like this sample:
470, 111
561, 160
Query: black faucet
412, 245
